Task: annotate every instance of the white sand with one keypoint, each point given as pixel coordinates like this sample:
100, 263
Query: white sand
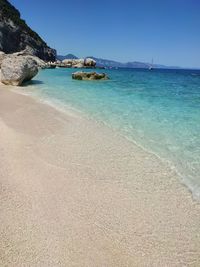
74, 193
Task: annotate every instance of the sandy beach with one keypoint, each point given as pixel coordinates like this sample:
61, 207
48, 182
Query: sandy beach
75, 193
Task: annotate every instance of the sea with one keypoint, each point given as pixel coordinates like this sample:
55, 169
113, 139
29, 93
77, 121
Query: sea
159, 110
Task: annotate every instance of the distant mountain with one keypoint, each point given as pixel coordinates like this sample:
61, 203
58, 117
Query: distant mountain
68, 56
116, 64
135, 64
107, 63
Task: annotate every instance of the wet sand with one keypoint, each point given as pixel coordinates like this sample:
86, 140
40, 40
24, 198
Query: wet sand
75, 193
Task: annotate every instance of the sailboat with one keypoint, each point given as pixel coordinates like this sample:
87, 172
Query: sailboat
151, 66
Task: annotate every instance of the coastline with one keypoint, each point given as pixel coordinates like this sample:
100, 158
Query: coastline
69, 109
74, 192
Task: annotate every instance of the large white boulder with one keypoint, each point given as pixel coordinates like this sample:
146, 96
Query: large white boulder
2, 56
40, 63
77, 63
67, 61
90, 62
17, 69
27, 52
78, 66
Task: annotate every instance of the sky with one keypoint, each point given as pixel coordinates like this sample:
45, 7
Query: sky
124, 30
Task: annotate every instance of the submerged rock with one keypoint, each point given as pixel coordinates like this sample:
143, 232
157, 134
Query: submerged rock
80, 75
17, 69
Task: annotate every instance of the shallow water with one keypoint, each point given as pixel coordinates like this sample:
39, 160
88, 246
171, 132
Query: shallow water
159, 109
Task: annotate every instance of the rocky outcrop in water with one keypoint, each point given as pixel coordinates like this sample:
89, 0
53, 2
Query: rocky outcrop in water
16, 69
89, 62
16, 35
73, 63
80, 75
78, 63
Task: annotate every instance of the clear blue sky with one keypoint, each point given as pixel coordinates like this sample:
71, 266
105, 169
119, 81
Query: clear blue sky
124, 30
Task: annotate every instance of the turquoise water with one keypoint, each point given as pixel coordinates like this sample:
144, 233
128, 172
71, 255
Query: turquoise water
159, 109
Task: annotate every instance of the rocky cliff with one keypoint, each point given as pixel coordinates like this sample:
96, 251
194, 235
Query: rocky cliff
16, 35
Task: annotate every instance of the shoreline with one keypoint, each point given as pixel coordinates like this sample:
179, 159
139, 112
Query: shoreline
85, 196
66, 109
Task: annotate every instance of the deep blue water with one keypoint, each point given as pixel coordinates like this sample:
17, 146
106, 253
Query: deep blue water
159, 109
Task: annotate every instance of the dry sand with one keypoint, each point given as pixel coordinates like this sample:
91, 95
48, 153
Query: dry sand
75, 193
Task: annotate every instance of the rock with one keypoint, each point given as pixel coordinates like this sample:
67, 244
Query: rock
78, 61
67, 61
50, 65
89, 62
17, 69
62, 65
79, 65
40, 63
73, 63
80, 75
16, 35
2, 56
